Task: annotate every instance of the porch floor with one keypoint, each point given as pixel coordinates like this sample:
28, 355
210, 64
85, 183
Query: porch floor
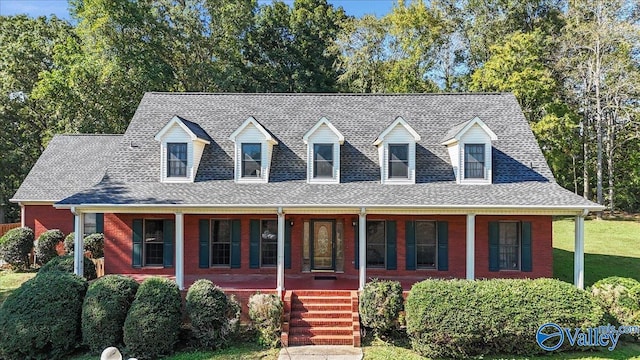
304, 281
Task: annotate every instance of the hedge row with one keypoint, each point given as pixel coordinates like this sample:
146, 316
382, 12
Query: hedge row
620, 297
460, 319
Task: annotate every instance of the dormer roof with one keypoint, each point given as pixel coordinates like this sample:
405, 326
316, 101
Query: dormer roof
457, 132
323, 121
251, 121
195, 132
399, 121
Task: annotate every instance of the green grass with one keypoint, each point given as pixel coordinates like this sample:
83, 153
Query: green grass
239, 351
612, 248
10, 281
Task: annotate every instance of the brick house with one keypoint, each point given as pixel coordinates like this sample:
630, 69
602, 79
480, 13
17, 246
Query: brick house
286, 192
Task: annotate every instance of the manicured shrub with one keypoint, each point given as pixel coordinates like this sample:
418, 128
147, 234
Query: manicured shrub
153, 322
41, 319
214, 317
461, 319
265, 311
620, 298
15, 247
65, 264
105, 309
95, 244
380, 305
46, 246
69, 243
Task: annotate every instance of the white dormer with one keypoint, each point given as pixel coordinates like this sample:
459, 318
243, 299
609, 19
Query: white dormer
397, 153
323, 153
469, 145
253, 150
181, 145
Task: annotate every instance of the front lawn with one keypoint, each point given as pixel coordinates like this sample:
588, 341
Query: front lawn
612, 248
10, 281
239, 351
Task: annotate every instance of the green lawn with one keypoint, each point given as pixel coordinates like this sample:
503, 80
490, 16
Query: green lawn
612, 248
241, 351
10, 281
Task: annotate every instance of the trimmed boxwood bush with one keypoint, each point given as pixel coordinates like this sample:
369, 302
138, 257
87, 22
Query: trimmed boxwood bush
46, 246
95, 244
461, 319
265, 311
620, 298
69, 243
380, 305
153, 321
65, 264
15, 247
105, 309
214, 317
41, 319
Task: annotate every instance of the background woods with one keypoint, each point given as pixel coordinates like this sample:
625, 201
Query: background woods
574, 66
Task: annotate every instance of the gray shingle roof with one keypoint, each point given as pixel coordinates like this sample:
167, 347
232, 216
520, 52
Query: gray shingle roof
521, 175
195, 129
69, 164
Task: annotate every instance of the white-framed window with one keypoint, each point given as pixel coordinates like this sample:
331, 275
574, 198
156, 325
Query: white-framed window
251, 160
220, 243
398, 161
176, 160
509, 245
153, 243
268, 243
397, 153
474, 161
323, 153
469, 145
376, 244
90, 224
323, 164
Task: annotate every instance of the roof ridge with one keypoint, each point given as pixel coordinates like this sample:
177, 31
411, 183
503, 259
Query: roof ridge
331, 94
64, 134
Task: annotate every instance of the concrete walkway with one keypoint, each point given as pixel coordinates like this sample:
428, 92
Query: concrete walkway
321, 352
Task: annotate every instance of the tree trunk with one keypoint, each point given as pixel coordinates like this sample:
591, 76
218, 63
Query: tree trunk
599, 137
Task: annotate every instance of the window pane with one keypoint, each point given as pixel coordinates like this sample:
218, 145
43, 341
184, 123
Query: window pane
269, 242
375, 244
426, 244
153, 242
323, 160
399, 161
251, 160
176, 159
220, 242
90, 224
474, 161
509, 237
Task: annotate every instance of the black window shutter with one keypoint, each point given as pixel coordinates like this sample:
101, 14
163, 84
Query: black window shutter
443, 245
410, 244
203, 241
287, 245
100, 223
526, 264
356, 253
235, 244
254, 244
169, 235
494, 246
136, 255
392, 260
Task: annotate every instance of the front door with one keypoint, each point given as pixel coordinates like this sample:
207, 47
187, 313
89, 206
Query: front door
323, 245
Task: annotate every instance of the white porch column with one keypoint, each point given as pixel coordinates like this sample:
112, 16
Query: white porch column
180, 250
22, 215
280, 274
78, 242
471, 246
578, 255
362, 248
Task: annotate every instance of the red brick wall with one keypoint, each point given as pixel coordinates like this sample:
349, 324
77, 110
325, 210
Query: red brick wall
118, 246
41, 218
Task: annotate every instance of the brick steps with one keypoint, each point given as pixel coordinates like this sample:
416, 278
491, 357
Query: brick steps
318, 317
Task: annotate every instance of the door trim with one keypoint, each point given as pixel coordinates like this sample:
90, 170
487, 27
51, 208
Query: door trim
333, 244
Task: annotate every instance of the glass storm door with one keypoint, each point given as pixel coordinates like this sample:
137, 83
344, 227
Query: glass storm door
323, 245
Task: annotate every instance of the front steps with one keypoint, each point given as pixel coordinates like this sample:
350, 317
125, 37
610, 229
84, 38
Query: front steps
321, 317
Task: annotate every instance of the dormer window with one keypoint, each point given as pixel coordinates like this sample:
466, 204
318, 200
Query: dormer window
253, 150
397, 153
474, 161
251, 160
323, 153
182, 143
469, 145
398, 161
322, 161
176, 159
